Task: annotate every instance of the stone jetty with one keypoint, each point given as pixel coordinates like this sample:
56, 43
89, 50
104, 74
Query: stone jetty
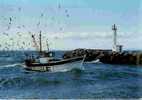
114, 56
107, 56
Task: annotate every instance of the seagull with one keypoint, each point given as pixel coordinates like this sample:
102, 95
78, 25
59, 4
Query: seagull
61, 28
66, 11
68, 15
10, 19
11, 39
18, 27
19, 8
59, 6
23, 43
41, 15
38, 23
23, 26
5, 34
8, 27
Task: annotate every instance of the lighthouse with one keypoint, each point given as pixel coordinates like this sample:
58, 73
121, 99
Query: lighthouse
116, 47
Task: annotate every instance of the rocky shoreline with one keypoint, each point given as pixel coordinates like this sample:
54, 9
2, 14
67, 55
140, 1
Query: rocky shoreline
107, 56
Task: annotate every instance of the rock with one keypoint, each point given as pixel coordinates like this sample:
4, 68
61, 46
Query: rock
106, 56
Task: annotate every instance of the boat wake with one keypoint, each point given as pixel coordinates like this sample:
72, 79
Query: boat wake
11, 65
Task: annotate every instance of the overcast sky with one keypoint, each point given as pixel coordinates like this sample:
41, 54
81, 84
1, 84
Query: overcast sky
70, 24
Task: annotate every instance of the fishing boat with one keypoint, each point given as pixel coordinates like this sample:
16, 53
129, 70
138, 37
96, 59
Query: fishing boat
47, 62
54, 65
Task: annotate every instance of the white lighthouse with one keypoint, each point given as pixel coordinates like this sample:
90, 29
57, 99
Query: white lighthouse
116, 47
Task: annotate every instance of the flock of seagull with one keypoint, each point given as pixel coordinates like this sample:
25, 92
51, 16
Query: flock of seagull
11, 43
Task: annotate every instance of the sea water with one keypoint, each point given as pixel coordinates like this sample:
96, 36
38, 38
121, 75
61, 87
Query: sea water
97, 80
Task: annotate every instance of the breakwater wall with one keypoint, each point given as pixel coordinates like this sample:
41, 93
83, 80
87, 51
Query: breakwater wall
107, 56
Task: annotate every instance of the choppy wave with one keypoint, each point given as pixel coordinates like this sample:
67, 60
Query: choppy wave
23, 82
7, 59
97, 80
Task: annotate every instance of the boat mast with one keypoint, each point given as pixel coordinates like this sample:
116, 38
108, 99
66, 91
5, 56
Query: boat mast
47, 45
40, 42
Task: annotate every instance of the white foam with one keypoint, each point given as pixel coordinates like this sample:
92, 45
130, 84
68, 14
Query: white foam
12, 65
